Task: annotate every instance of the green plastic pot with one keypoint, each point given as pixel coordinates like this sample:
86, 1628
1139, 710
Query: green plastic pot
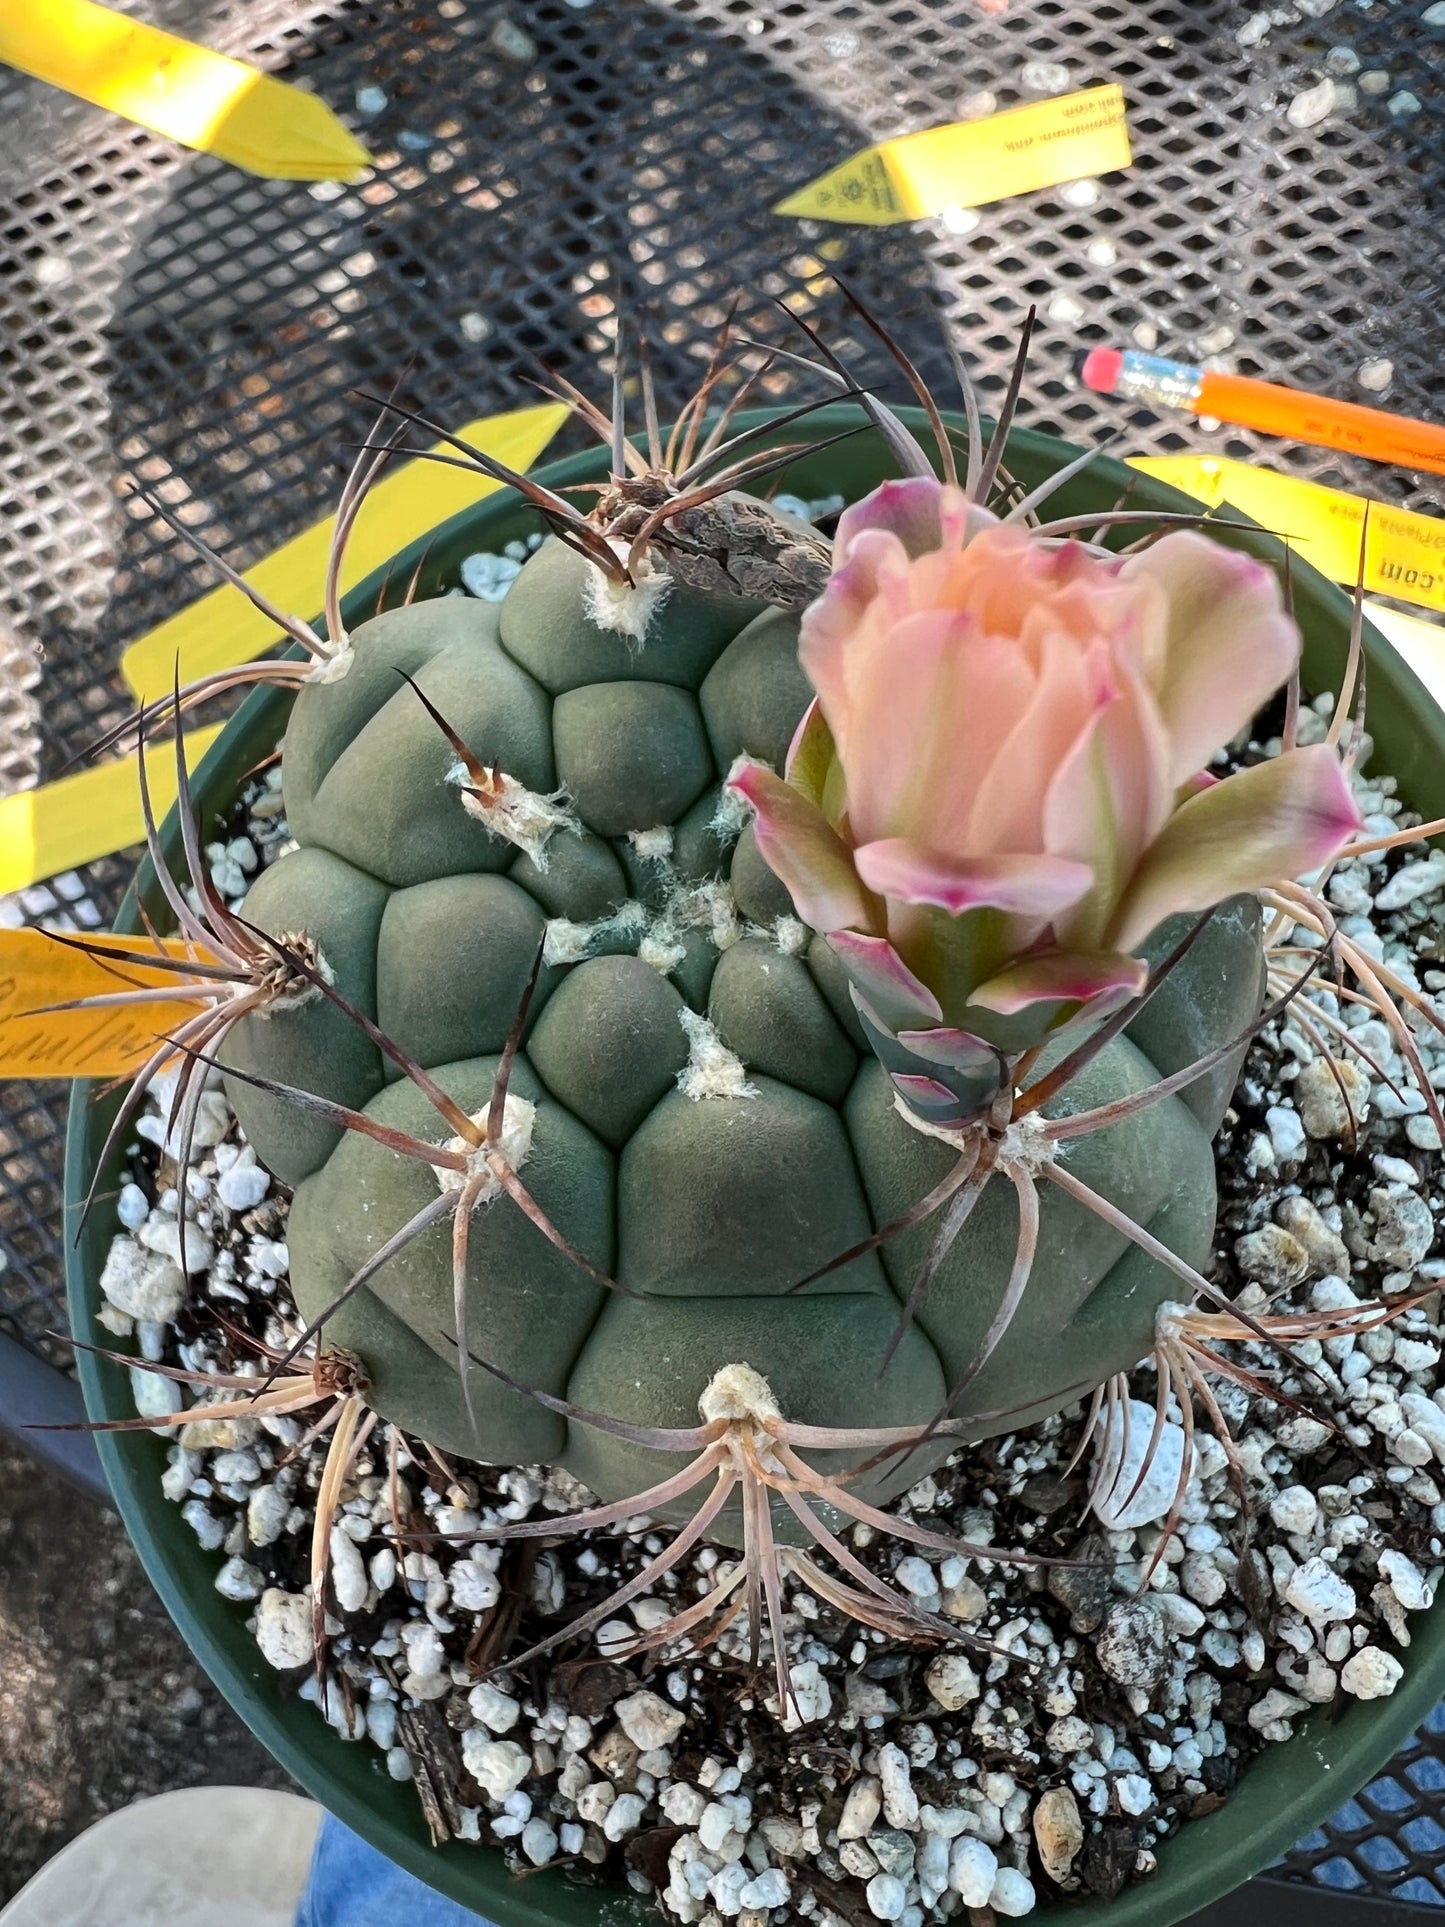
1288, 1790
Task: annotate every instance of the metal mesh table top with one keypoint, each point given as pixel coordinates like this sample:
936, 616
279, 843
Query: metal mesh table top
170, 320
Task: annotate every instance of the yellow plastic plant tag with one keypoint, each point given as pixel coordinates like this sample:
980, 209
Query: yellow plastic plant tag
78, 818
223, 628
972, 162
35, 971
1420, 643
1405, 553
190, 94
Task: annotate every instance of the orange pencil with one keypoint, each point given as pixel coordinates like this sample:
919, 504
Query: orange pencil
1370, 432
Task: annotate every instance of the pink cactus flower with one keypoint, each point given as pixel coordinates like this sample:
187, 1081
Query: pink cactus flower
1001, 789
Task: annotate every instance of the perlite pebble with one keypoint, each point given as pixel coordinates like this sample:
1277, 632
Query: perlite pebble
1134, 1794
283, 1629
952, 1681
714, 1825
886, 1896
894, 1851
142, 1284
132, 1207
1371, 1674
972, 1870
538, 1842
1044, 77
1315, 104
1320, 1101
1323, 1247
349, 1579
1319, 1594
861, 1808
1286, 1133
1404, 1229
916, 1576
1411, 881
498, 1766
267, 1510
900, 1802
1013, 1893
683, 1804
1058, 1831
770, 1889
945, 1822
1132, 1644
648, 1721
1137, 1472
1295, 1510
1271, 1257
1405, 1580
244, 1185
493, 1708
624, 1816
811, 1697
154, 1396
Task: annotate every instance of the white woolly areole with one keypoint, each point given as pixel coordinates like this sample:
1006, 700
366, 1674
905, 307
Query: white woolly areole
791, 936
1023, 1143
662, 950
712, 907
625, 608
296, 990
518, 1118
1169, 1320
733, 808
712, 1070
327, 669
514, 812
653, 846
564, 942
738, 1392
1026, 1142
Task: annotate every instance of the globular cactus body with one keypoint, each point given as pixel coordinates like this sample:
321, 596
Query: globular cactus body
706, 1166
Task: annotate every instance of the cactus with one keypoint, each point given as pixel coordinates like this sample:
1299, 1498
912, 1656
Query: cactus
708, 1198
641, 1025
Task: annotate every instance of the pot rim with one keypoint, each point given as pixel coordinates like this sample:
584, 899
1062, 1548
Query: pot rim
1284, 1792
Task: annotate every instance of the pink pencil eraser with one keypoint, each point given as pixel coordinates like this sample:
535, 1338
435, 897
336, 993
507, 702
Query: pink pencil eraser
1101, 369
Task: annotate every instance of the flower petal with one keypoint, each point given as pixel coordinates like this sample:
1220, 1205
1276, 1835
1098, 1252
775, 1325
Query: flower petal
923, 1094
1066, 977
1030, 886
880, 978
1228, 644
1263, 825
959, 1049
811, 754
909, 509
798, 845
864, 595
922, 512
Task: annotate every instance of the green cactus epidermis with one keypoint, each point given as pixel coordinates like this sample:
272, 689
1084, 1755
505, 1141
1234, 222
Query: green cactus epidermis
708, 1207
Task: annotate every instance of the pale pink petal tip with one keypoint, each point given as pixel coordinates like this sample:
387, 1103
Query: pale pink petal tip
1029, 886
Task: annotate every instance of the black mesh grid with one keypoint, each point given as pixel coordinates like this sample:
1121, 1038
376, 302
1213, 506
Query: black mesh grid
166, 318
1390, 1839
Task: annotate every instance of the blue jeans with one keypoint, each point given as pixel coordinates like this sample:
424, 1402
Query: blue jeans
351, 1885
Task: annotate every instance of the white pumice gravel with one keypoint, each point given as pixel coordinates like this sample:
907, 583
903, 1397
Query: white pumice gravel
1080, 1724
